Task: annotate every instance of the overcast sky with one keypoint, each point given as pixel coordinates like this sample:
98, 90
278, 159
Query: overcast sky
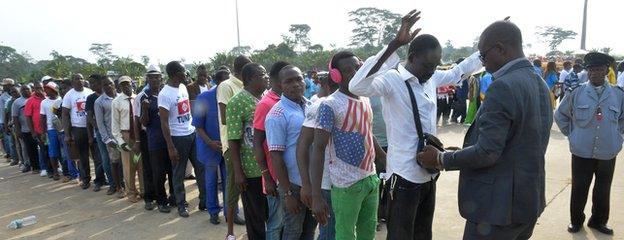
195, 30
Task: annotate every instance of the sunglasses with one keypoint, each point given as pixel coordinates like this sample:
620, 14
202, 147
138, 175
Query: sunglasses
484, 54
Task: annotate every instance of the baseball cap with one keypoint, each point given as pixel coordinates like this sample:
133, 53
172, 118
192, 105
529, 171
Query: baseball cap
597, 59
52, 85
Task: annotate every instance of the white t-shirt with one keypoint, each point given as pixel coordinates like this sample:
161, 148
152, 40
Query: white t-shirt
48, 106
203, 89
76, 102
176, 101
310, 122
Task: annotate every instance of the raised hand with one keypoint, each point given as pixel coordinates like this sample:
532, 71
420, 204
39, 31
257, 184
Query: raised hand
405, 35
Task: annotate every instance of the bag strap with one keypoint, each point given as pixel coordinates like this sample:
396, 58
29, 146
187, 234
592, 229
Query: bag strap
419, 131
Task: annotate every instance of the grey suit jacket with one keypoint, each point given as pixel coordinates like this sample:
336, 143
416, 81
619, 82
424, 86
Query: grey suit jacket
502, 163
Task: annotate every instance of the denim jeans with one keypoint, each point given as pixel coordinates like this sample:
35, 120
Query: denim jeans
301, 225
275, 222
106, 165
328, 232
6, 141
72, 171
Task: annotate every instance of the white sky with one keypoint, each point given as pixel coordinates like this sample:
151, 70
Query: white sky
195, 30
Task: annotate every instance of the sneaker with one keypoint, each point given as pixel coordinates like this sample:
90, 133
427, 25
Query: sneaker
96, 187
230, 237
13, 164
133, 199
25, 169
110, 191
56, 177
149, 206
84, 186
43, 173
50, 175
164, 208
35, 171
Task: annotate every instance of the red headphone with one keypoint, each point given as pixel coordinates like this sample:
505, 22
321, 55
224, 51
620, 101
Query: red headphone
334, 73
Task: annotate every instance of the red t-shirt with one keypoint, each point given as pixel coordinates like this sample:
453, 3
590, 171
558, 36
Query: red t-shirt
262, 109
32, 110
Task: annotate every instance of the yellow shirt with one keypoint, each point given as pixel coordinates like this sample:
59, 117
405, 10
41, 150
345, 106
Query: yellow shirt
611, 77
225, 91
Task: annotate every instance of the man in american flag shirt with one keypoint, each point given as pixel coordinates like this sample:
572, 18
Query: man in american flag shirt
344, 126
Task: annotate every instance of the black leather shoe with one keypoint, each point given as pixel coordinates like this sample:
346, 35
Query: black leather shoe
214, 219
149, 206
601, 228
85, 185
96, 187
110, 191
202, 208
164, 208
183, 212
238, 220
574, 228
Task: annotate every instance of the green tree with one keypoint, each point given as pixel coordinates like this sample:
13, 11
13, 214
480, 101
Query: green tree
373, 26
554, 36
145, 60
127, 66
298, 37
14, 64
104, 53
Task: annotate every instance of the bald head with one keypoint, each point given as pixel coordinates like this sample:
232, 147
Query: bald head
500, 43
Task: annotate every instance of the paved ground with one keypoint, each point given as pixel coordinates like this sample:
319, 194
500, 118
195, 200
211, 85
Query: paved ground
65, 211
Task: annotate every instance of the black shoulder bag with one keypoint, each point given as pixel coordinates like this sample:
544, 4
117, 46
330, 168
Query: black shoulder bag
423, 138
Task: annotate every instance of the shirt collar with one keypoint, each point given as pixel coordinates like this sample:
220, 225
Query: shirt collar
124, 96
505, 67
292, 104
109, 97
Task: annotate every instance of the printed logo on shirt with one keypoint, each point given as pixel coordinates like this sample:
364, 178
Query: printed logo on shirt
80, 107
184, 109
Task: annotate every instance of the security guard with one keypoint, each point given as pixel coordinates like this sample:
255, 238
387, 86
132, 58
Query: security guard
591, 117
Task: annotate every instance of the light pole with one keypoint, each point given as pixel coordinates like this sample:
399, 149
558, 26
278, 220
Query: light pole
237, 28
584, 31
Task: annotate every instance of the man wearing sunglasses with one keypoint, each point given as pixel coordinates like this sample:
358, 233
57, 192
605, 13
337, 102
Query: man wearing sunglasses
501, 183
412, 188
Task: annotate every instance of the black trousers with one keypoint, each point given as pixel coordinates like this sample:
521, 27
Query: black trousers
148, 179
382, 209
255, 208
514, 231
161, 170
444, 110
459, 111
185, 145
81, 144
583, 170
410, 208
31, 149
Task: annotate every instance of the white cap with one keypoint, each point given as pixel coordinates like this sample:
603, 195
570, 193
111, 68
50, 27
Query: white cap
153, 69
45, 78
52, 85
8, 81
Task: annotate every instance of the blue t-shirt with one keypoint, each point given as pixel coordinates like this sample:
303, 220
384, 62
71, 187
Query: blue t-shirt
311, 88
283, 125
485, 82
551, 79
155, 139
206, 116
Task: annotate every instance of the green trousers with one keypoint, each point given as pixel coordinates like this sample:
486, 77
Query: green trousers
355, 209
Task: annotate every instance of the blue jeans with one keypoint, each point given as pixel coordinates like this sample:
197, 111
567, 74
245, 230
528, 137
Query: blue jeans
106, 165
328, 232
301, 225
212, 172
275, 221
6, 142
72, 170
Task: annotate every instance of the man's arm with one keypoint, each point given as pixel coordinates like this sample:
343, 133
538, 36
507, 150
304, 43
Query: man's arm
98, 110
563, 114
90, 123
306, 138
164, 125
367, 81
43, 123
460, 72
66, 124
319, 207
494, 125
380, 154
224, 93
116, 123
235, 135
222, 112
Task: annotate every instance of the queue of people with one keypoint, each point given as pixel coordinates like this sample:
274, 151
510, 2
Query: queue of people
304, 164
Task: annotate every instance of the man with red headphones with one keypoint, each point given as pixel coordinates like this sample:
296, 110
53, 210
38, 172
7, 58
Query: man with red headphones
346, 119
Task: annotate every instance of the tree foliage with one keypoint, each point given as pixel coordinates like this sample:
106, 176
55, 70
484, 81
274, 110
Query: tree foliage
374, 26
554, 36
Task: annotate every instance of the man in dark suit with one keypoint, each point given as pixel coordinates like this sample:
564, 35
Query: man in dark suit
501, 184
